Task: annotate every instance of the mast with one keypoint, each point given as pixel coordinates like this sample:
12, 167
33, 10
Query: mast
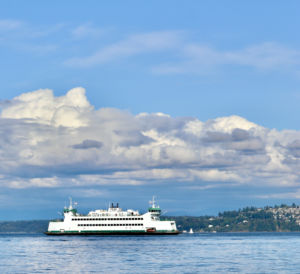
152, 203
71, 203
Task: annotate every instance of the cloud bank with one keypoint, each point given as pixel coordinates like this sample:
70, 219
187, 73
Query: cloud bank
48, 141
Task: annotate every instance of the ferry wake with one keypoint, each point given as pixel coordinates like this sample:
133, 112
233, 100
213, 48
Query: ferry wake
113, 221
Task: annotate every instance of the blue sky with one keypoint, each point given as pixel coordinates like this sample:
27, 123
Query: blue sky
195, 102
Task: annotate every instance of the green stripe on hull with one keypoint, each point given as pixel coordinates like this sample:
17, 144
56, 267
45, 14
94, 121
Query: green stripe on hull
112, 232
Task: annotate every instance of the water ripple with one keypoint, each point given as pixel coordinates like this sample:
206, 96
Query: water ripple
197, 253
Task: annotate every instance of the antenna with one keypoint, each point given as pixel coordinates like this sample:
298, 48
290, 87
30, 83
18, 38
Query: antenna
164, 212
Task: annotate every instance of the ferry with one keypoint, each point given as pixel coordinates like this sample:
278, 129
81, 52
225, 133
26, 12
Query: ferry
113, 221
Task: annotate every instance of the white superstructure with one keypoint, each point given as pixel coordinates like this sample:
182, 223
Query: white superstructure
112, 221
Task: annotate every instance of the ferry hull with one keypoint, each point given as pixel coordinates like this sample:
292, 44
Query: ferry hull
108, 233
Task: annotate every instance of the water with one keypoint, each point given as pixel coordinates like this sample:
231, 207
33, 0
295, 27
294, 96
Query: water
196, 253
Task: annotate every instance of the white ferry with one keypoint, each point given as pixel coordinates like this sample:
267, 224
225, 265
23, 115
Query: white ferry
113, 221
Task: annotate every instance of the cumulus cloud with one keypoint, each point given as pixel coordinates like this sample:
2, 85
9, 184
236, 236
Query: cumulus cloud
63, 141
42, 107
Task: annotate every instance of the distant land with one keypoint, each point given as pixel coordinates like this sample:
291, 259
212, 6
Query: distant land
37, 226
281, 218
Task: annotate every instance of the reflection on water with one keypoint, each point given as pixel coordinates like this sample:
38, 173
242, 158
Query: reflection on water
248, 253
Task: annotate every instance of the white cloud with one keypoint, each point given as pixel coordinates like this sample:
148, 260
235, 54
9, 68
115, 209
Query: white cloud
41, 106
87, 30
63, 141
202, 59
9, 25
284, 195
22, 36
181, 53
133, 45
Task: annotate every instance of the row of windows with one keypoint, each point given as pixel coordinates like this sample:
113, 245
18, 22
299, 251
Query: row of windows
110, 225
106, 219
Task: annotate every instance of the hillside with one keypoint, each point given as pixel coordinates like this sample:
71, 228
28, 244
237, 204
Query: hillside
249, 219
37, 226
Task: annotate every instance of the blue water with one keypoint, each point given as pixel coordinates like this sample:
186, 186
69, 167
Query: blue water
185, 253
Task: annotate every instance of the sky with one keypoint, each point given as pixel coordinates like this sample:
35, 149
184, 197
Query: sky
195, 102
